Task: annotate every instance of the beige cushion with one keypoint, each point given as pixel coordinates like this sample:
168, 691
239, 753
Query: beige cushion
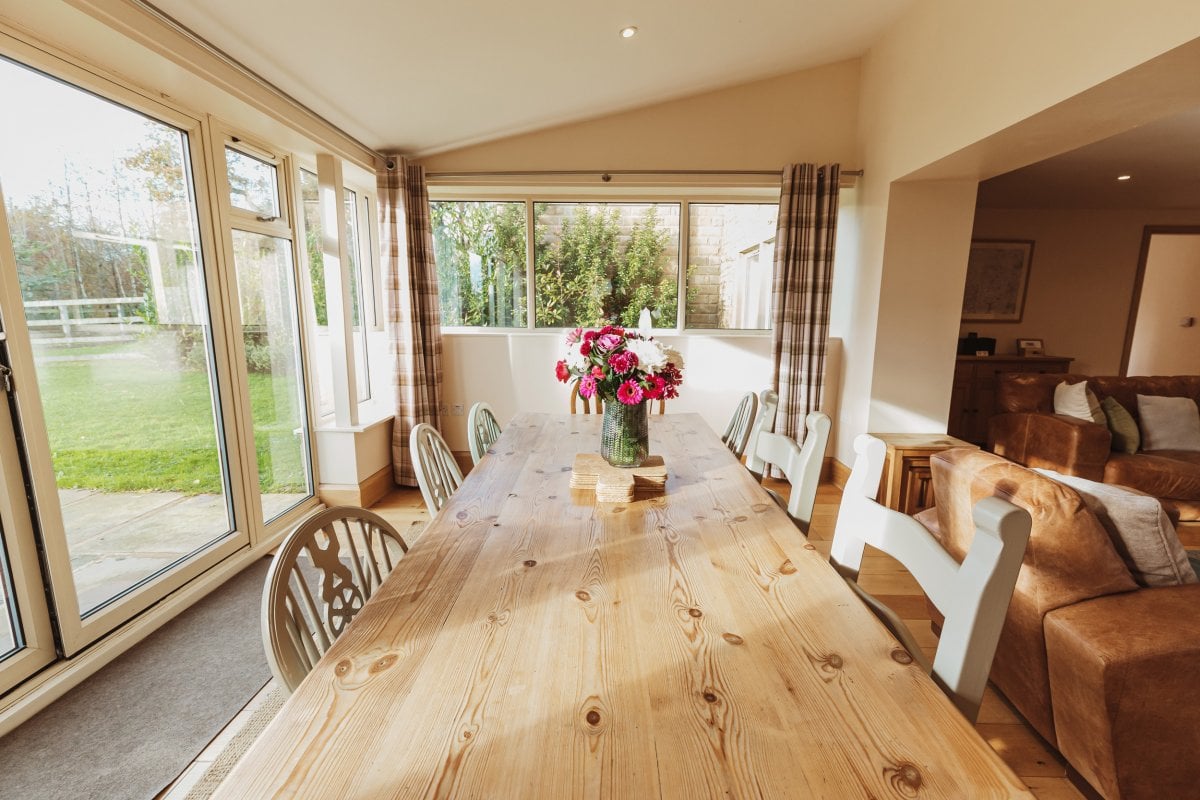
1125, 435
1169, 423
1140, 529
1076, 400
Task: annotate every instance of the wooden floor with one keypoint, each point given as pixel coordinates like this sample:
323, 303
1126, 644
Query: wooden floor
1016, 742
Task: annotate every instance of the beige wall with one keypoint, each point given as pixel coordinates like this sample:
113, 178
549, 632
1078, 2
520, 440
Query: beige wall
1162, 345
1080, 280
963, 91
803, 116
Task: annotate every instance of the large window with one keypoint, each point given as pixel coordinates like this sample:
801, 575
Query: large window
480, 254
599, 262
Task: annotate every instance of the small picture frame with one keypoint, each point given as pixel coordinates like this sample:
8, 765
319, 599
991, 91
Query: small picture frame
1031, 347
997, 277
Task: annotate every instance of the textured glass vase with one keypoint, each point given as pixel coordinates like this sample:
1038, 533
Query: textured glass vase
625, 437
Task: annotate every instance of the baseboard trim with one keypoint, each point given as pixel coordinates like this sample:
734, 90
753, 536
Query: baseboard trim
367, 493
57, 679
838, 472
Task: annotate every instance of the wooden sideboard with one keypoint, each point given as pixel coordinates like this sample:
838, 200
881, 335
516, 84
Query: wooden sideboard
973, 397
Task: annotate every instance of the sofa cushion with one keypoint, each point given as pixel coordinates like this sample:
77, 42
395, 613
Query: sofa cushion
1018, 392
1126, 438
1163, 473
1069, 558
1122, 675
1077, 400
1169, 423
1139, 528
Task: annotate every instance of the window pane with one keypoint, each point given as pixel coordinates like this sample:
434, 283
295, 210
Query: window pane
264, 274
479, 248
731, 247
103, 225
357, 315
10, 623
601, 262
253, 185
322, 357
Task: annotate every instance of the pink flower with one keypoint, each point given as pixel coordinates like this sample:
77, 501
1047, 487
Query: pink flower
608, 341
597, 372
655, 391
622, 361
629, 393
561, 372
574, 336
587, 386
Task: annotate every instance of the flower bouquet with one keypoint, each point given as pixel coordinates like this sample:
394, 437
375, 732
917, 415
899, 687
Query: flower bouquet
626, 370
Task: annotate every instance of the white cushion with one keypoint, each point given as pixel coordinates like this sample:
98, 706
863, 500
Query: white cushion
1076, 400
1169, 423
1139, 528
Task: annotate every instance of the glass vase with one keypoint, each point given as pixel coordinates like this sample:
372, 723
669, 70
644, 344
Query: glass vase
625, 437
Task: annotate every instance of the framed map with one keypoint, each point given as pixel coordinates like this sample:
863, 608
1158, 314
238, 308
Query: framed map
997, 277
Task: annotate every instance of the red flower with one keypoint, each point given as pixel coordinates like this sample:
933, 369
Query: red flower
561, 372
622, 361
630, 393
586, 347
589, 336
597, 372
656, 387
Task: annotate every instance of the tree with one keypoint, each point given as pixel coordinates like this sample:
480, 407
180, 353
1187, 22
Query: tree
479, 249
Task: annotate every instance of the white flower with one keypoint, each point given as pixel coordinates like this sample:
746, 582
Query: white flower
650, 354
576, 361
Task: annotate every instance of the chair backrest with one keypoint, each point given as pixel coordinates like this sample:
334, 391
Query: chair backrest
801, 465
323, 573
737, 433
579, 402
482, 429
768, 403
973, 596
438, 474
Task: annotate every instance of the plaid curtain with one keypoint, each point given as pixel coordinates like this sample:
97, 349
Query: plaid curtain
413, 314
808, 209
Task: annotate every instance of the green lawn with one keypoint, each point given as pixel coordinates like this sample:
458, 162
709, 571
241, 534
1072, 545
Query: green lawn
135, 425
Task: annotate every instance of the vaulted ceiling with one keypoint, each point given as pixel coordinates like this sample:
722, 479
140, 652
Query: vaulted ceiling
423, 77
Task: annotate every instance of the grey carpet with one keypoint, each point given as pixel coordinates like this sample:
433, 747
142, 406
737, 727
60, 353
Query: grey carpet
129, 730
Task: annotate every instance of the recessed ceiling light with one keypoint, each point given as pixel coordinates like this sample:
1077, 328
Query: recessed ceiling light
1124, 177
628, 32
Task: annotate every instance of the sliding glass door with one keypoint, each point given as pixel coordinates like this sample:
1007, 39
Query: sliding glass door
113, 346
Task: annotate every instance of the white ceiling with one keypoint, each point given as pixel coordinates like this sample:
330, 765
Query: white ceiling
421, 77
1162, 159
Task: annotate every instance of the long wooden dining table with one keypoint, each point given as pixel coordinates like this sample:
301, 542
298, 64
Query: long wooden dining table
691, 644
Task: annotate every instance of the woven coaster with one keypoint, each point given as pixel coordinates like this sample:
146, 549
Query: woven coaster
618, 484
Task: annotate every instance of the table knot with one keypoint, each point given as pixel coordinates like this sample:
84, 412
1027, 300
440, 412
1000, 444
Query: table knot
732, 638
695, 613
529, 562
787, 567
582, 595
901, 656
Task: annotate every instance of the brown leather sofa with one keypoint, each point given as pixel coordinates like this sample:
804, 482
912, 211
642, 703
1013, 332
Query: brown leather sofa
1029, 432
1104, 670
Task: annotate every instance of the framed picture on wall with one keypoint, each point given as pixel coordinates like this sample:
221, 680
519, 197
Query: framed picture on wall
997, 277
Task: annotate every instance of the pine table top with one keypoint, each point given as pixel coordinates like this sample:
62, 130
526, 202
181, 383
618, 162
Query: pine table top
536, 644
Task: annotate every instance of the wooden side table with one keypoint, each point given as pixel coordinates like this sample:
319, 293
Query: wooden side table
907, 484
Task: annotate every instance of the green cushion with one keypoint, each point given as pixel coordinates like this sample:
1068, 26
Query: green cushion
1125, 435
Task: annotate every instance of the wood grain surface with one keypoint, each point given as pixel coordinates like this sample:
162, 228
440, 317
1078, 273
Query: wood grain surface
534, 644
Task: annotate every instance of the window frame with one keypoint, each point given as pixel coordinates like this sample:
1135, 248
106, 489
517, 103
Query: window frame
750, 193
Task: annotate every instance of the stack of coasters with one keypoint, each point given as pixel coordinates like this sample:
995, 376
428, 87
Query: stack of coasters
618, 484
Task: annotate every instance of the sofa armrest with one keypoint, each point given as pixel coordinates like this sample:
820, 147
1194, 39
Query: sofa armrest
1052, 441
1122, 683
